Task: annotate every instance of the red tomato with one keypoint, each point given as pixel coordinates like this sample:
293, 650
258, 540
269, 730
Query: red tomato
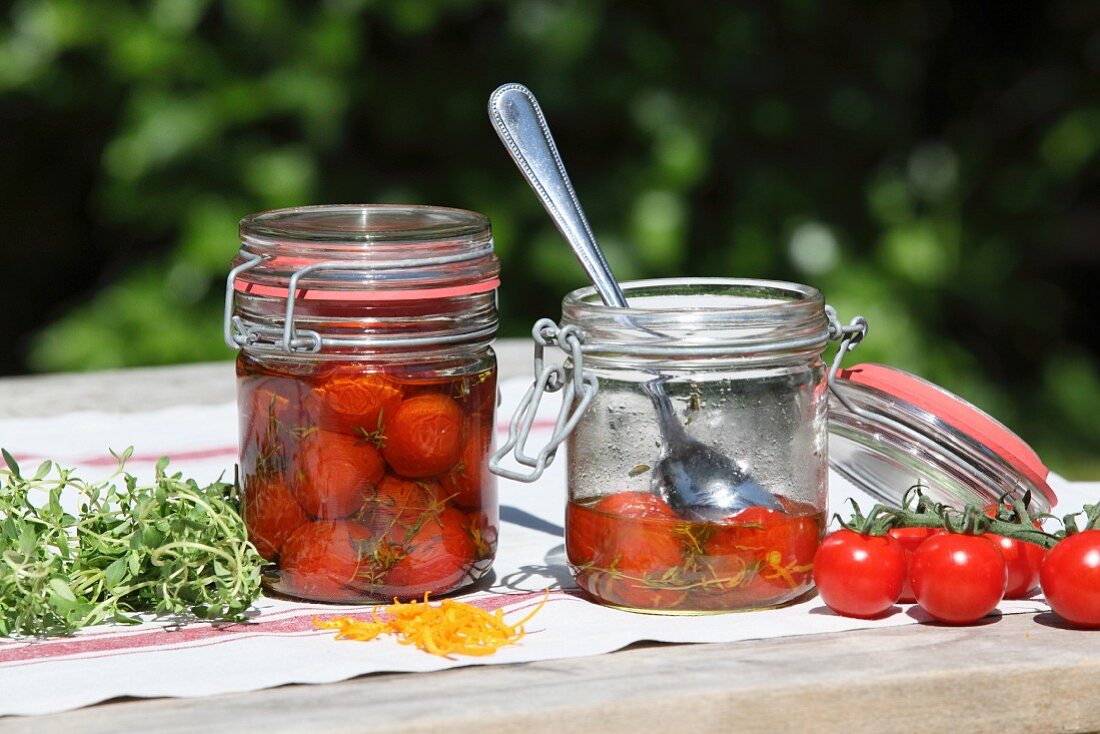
321, 559
483, 531
436, 558
410, 501
271, 514
334, 473
910, 539
859, 575
766, 553
958, 578
634, 538
1070, 577
424, 436
274, 409
466, 484
1023, 561
355, 402
583, 530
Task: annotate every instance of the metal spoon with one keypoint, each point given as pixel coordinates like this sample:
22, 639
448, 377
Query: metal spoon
697, 481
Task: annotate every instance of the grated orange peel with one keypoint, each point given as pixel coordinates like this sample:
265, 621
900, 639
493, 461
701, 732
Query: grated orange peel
444, 629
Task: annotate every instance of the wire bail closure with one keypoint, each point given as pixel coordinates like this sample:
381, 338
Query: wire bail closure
850, 336
576, 396
552, 378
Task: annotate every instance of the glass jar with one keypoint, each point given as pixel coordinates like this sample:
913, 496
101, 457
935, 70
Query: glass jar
366, 400
740, 364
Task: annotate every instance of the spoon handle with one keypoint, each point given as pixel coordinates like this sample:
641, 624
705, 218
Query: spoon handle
519, 122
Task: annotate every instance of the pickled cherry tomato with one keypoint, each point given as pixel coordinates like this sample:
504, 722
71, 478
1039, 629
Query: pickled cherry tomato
322, 559
334, 473
434, 557
771, 551
357, 402
271, 514
464, 482
408, 500
637, 548
424, 436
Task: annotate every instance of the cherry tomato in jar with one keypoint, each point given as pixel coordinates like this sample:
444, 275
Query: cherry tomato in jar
409, 501
910, 539
357, 403
322, 559
635, 544
434, 558
334, 472
1023, 560
1070, 577
271, 514
763, 554
424, 436
859, 575
958, 579
466, 480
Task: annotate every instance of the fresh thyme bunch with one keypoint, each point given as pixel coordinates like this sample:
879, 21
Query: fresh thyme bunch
168, 548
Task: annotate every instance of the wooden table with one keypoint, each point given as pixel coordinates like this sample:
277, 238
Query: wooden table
1020, 673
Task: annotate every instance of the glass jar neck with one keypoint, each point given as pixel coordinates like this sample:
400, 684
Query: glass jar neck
712, 321
346, 280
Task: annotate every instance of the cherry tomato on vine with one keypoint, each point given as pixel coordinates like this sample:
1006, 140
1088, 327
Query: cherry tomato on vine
334, 472
434, 558
910, 539
1023, 560
271, 514
1070, 577
357, 403
424, 436
958, 578
321, 559
859, 575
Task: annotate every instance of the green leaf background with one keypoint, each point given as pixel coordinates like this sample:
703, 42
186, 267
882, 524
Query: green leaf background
930, 165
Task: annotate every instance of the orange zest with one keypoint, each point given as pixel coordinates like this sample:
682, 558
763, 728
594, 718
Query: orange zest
444, 629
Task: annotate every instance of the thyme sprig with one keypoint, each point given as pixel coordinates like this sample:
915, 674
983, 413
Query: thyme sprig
171, 548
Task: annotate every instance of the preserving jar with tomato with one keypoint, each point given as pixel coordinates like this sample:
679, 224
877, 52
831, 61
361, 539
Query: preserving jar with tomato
739, 362
366, 394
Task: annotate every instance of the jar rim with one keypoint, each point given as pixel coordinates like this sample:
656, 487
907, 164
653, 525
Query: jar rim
361, 224
739, 320
799, 295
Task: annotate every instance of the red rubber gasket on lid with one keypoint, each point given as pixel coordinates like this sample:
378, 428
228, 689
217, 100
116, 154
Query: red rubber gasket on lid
957, 413
318, 294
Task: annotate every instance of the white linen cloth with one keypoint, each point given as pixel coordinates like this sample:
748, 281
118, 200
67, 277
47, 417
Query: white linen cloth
280, 644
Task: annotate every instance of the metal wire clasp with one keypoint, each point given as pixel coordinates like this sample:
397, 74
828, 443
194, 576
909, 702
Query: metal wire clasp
578, 393
850, 336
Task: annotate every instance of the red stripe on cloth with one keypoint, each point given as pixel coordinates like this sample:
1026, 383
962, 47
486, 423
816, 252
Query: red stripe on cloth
195, 454
109, 643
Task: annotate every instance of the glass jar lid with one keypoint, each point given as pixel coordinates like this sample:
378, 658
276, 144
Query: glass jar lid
368, 252
890, 429
340, 278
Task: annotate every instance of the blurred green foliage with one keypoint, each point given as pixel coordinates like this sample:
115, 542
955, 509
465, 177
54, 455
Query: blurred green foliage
930, 165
